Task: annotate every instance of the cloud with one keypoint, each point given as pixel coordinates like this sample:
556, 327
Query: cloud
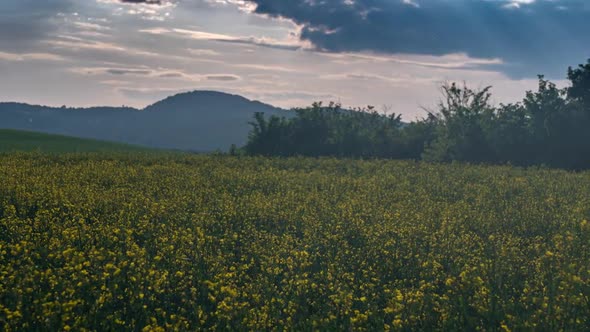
30, 56
223, 77
142, 71
24, 22
448, 61
140, 2
149, 10
172, 75
202, 52
217, 37
133, 73
114, 71
528, 36
149, 2
264, 67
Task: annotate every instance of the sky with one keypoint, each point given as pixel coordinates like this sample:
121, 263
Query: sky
392, 54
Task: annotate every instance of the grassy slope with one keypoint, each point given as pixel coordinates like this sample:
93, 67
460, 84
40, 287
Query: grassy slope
26, 141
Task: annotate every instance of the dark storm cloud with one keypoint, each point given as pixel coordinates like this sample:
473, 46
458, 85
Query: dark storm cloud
540, 37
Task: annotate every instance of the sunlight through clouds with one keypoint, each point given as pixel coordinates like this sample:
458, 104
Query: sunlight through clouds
279, 52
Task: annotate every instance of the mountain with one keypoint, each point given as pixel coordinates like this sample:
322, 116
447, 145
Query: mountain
194, 121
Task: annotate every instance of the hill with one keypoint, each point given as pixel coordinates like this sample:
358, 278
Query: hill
195, 121
203, 120
16, 140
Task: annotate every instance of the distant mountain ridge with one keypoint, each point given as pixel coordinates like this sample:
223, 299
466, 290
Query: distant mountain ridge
195, 121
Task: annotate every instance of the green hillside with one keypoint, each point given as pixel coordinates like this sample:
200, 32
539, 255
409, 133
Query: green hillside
26, 141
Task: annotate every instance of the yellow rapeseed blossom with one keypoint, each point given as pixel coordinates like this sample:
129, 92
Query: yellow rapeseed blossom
178, 242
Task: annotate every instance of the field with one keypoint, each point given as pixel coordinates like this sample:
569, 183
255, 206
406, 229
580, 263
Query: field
165, 242
16, 140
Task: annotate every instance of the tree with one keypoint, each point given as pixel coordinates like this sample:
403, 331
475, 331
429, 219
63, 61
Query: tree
580, 84
509, 134
463, 117
550, 126
267, 137
329, 130
547, 112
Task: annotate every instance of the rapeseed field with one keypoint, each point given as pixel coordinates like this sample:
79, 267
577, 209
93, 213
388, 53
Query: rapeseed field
180, 242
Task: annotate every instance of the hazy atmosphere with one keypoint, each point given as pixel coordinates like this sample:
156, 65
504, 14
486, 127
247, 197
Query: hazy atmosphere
285, 53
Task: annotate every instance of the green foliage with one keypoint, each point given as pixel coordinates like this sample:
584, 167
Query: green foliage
580, 89
549, 127
181, 242
461, 131
330, 130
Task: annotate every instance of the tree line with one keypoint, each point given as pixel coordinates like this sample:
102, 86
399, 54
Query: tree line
550, 126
